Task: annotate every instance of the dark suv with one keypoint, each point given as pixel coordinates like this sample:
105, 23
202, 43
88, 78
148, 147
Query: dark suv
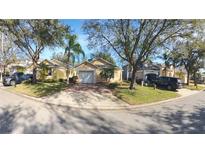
150, 79
15, 78
170, 83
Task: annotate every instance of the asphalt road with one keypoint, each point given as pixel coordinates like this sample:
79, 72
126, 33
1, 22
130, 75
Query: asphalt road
22, 115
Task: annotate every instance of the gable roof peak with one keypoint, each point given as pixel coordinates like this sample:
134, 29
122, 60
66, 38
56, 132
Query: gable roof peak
87, 63
99, 58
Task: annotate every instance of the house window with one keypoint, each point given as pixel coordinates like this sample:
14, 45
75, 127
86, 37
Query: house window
49, 72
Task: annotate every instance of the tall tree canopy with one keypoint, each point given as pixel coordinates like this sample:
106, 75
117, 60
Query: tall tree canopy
133, 41
60, 56
8, 51
192, 56
104, 55
33, 36
189, 51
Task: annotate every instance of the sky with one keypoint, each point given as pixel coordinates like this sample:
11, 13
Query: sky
75, 25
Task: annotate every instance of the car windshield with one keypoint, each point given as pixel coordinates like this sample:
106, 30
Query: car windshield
19, 74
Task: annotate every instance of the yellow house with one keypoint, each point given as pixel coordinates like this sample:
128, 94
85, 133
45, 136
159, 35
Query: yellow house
89, 72
51, 69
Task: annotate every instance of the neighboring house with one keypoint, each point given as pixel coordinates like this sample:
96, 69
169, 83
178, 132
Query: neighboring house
202, 73
155, 69
142, 73
178, 72
89, 72
20, 66
51, 69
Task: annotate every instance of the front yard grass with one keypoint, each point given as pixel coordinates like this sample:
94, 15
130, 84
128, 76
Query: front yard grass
40, 89
143, 95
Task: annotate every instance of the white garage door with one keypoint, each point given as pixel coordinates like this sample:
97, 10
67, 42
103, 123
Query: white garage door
86, 76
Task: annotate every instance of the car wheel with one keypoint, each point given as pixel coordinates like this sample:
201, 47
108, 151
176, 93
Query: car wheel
169, 87
12, 83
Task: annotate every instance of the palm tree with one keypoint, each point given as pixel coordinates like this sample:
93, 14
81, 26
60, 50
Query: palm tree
166, 58
72, 50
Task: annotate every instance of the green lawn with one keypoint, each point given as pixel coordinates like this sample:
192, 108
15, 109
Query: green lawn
192, 87
143, 95
40, 89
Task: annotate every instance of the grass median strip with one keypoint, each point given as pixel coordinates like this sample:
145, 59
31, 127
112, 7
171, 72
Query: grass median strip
40, 89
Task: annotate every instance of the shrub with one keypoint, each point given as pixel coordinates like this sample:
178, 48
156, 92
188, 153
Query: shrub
49, 81
75, 79
113, 85
27, 82
107, 73
61, 80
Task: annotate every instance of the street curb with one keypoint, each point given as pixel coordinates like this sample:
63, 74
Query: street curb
129, 107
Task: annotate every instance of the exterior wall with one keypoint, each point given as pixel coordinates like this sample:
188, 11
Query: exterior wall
15, 68
181, 75
174, 73
59, 74
126, 73
86, 67
98, 77
168, 72
117, 76
157, 72
140, 75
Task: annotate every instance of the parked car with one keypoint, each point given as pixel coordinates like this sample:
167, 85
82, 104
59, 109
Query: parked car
150, 79
170, 83
27, 76
15, 78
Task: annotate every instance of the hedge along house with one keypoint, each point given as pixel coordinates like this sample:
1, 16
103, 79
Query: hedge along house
89, 72
51, 70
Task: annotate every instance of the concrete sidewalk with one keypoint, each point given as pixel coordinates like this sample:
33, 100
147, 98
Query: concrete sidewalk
186, 92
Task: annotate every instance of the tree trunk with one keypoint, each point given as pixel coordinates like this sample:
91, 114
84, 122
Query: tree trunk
188, 78
4, 70
133, 79
1, 75
195, 82
68, 69
34, 80
68, 72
